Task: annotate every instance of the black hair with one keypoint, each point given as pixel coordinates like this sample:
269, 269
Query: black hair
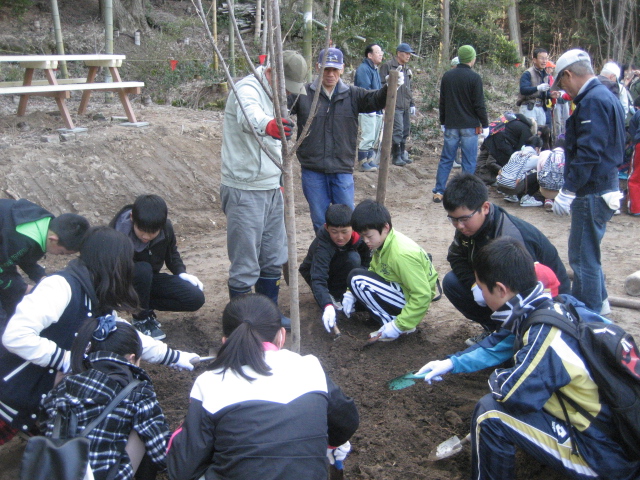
370, 215
149, 213
636, 102
538, 51
535, 141
560, 143
505, 260
369, 49
465, 190
124, 340
544, 132
70, 228
108, 255
247, 321
338, 215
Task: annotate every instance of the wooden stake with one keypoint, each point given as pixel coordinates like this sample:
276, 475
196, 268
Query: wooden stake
387, 135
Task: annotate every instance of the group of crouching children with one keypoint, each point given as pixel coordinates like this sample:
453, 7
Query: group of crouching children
259, 410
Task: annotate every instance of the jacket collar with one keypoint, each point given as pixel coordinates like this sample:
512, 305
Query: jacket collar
341, 87
591, 83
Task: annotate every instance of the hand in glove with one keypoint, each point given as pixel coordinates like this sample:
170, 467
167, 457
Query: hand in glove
485, 132
400, 79
390, 331
443, 128
543, 87
562, 203
477, 295
435, 369
329, 317
412, 110
338, 453
613, 199
192, 279
273, 130
184, 361
348, 303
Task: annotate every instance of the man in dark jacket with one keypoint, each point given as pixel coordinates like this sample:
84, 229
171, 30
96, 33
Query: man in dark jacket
154, 242
328, 152
27, 232
477, 221
498, 147
462, 115
594, 150
404, 103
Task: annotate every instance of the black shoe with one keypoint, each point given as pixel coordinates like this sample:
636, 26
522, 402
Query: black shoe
149, 326
473, 340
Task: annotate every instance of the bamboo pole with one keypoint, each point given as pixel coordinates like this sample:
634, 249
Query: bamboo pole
214, 22
108, 43
387, 135
58, 33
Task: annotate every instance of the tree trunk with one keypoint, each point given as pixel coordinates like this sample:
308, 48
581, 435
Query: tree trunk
129, 15
401, 24
444, 41
258, 21
514, 26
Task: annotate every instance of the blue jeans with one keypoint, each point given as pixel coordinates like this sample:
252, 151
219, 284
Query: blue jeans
324, 189
467, 139
589, 217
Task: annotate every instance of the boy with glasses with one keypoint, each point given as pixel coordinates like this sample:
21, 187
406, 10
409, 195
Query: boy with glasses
477, 221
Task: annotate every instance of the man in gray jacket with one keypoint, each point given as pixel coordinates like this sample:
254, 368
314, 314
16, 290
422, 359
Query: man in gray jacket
250, 186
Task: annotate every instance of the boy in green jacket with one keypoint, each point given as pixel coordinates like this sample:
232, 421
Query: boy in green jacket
400, 283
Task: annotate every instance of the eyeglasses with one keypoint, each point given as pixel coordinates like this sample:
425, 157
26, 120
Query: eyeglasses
463, 218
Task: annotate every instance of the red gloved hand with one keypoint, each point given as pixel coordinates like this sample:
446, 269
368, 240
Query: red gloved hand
273, 130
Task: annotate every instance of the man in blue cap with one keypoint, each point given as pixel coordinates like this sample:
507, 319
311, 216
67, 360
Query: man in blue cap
404, 103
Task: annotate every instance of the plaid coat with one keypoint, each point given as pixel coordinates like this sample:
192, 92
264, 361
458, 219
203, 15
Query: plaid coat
88, 393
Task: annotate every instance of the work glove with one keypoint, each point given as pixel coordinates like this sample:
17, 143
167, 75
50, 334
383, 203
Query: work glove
329, 317
192, 279
543, 87
400, 79
338, 453
184, 361
390, 330
613, 199
477, 295
562, 203
435, 369
348, 303
443, 128
485, 132
412, 110
273, 131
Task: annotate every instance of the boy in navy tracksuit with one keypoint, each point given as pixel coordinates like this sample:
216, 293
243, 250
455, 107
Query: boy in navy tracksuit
335, 251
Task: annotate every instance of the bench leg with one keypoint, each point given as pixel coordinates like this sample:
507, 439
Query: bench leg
24, 99
124, 98
60, 100
86, 95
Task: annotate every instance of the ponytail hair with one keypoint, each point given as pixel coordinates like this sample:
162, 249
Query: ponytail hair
121, 339
247, 322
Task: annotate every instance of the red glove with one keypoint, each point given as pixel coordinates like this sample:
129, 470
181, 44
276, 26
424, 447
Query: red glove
273, 130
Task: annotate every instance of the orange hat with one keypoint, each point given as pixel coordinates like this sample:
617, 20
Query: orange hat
550, 64
548, 278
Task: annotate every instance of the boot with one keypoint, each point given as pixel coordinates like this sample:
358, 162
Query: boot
371, 155
270, 287
405, 154
363, 160
396, 155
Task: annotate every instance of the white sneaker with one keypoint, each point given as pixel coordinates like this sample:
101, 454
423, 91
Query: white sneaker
456, 164
511, 198
529, 201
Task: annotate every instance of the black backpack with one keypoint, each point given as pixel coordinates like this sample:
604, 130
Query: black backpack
614, 362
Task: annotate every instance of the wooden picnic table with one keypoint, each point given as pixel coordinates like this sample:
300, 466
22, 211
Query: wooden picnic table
60, 88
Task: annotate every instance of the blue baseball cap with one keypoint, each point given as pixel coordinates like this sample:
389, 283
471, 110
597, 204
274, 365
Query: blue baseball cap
334, 58
404, 47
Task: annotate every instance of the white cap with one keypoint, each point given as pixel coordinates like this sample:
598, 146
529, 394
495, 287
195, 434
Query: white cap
611, 68
569, 58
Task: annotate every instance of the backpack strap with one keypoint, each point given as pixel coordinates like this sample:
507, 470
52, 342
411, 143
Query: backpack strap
109, 408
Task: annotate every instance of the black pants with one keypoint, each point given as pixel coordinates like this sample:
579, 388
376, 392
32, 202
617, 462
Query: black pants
341, 264
10, 297
165, 292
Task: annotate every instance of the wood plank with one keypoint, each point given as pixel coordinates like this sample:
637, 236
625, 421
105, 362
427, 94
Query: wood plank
60, 58
86, 95
61, 81
124, 99
27, 90
103, 63
26, 80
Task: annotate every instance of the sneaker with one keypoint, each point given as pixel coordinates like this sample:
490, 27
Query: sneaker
469, 342
368, 167
149, 327
456, 164
529, 201
548, 205
617, 212
437, 198
511, 198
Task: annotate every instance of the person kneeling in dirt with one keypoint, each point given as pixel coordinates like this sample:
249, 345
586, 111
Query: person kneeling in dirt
335, 251
524, 408
27, 233
261, 411
399, 285
477, 221
154, 243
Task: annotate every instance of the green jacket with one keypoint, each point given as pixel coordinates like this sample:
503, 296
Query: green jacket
403, 261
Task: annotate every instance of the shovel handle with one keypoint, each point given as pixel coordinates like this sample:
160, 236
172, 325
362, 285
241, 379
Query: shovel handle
196, 361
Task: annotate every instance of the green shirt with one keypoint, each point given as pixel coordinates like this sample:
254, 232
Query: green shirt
36, 231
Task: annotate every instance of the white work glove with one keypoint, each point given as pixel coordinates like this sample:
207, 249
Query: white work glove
562, 203
390, 330
412, 110
192, 279
443, 128
485, 132
329, 317
348, 303
477, 295
400, 79
436, 368
613, 199
338, 453
543, 87
184, 361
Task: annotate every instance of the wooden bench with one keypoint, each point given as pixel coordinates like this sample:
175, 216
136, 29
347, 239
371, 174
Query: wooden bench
60, 88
